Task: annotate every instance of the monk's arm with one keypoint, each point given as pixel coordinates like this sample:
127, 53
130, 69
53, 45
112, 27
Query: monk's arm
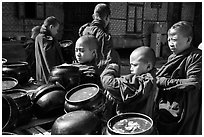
193, 74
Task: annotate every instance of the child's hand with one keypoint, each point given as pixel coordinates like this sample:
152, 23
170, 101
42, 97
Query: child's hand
114, 66
81, 29
64, 64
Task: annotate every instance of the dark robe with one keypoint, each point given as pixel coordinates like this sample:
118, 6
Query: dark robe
180, 94
30, 55
106, 53
48, 54
89, 72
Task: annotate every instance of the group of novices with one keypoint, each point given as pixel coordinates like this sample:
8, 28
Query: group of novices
171, 96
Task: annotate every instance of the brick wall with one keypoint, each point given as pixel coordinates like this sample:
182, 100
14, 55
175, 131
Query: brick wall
12, 25
150, 17
188, 9
118, 18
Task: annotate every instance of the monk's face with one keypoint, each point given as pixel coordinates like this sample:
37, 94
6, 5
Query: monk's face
138, 65
54, 29
82, 53
177, 42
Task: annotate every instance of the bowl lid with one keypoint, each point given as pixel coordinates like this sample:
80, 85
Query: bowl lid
67, 67
44, 89
15, 93
80, 122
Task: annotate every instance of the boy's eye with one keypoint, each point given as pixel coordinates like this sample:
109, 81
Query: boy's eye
80, 50
172, 40
134, 65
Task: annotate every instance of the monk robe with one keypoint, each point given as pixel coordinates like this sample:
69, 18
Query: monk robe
131, 93
48, 55
180, 94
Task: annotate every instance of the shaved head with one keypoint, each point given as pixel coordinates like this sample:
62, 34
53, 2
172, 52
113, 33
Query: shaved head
88, 41
144, 54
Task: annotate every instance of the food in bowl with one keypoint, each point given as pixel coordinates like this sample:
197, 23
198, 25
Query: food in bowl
131, 125
66, 43
83, 94
8, 84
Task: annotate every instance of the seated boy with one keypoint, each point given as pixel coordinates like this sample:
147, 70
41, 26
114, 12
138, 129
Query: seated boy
135, 92
86, 54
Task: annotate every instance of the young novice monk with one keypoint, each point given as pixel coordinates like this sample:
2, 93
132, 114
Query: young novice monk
86, 50
135, 92
47, 49
86, 54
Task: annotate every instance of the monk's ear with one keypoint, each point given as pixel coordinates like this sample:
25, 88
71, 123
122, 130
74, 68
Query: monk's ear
51, 26
94, 53
149, 66
93, 16
189, 40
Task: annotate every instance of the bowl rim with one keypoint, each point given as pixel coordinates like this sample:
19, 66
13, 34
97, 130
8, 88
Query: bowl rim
10, 78
4, 60
10, 91
132, 114
15, 64
73, 90
65, 41
66, 66
8, 133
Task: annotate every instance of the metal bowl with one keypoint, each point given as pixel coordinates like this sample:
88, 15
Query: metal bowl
76, 123
85, 96
141, 124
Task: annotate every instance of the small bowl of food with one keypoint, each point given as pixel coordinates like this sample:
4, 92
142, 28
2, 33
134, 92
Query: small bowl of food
130, 124
9, 83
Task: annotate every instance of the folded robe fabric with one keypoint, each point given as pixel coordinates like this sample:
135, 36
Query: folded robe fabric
48, 55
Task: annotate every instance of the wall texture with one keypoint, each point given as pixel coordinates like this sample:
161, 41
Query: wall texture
13, 26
